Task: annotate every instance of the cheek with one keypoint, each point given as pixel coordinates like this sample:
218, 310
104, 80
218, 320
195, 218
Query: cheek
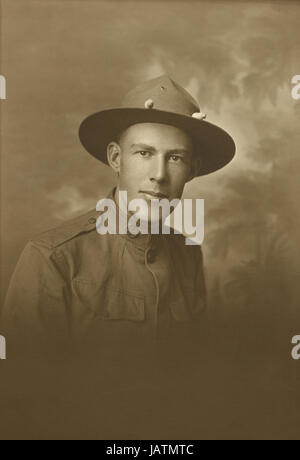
131, 171
179, 176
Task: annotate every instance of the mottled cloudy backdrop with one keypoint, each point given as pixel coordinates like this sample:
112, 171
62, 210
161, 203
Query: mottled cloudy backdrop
65, 59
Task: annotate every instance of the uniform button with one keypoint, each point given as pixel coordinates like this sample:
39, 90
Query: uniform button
151, 256
92, 220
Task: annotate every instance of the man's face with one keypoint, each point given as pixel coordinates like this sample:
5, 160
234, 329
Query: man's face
156, 161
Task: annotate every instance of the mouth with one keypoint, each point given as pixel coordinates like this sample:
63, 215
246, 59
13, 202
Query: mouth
151, 194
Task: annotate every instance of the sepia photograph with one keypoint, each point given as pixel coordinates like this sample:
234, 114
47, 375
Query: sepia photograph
149, 222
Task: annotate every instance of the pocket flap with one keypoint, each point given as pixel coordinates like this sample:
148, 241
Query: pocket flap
123, 305
109, 303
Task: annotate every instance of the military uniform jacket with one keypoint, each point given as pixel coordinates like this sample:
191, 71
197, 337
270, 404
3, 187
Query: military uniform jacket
73, 282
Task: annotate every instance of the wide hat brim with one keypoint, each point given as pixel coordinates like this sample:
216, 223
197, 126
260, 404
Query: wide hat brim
214, 145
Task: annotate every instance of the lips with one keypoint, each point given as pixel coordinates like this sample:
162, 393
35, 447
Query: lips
153, 194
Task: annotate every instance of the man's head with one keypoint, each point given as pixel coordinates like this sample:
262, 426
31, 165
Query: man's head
163, 105
154, 158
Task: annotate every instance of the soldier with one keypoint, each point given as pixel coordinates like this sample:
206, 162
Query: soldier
71, 282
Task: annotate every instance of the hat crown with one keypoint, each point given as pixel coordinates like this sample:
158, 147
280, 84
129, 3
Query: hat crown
163, 94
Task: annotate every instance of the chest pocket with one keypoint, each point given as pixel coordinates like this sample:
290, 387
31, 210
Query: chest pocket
108, 303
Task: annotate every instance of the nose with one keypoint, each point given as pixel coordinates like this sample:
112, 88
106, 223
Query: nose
158, 171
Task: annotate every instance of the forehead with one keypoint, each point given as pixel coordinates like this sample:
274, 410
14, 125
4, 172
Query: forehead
158, 135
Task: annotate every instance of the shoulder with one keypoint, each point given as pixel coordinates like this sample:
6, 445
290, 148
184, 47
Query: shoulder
67, 231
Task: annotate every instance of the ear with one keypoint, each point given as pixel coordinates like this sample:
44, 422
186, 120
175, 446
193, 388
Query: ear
114, 156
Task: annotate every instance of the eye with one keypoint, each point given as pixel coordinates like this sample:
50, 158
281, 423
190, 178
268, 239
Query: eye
144, 153
175, 158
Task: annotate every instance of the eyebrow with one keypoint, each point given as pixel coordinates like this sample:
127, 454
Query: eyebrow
153, 149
